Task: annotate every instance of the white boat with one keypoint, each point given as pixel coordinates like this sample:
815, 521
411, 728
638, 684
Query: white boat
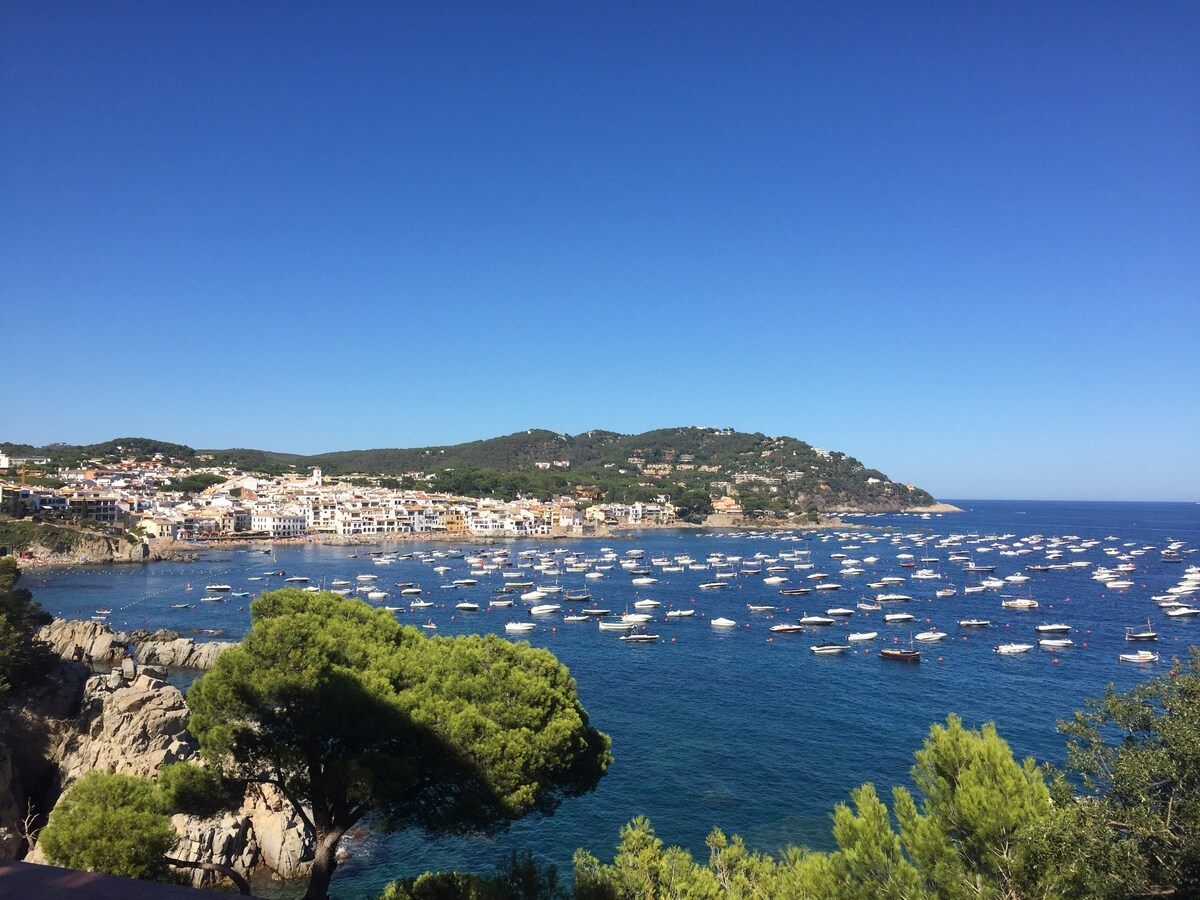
839, 611
1142, 656
759, 607
500, 603
460, 582
898, 617
640, 638
785, 628
645, 580
680, 613
1180, 611
616, 626
467, 607
1053, 643
815, 620
377, 595
862, 636
1020, 603
545, 608
337, 582
646, 604
636, 618
827, 586
723, 623
713, 585
534, 595
594, 611
892, 598
1010, 649
575, 618
226, 587
929, 636
519, 627
420, 604
363, 578
974, 623
1054, 628
774, 580
1138, 633
829, 648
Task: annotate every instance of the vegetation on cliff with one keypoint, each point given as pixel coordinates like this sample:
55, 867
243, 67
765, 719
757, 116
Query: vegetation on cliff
1121, 820
347, 713
775, 474
24, 660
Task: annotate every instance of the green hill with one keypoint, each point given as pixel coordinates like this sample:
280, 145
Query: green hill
691, 465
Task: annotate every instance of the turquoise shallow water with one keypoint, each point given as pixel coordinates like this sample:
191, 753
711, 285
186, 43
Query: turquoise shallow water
758, 736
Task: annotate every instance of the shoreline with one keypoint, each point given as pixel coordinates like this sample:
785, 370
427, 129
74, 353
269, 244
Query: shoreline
164, 550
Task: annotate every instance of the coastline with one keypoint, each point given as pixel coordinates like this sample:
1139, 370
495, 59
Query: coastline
166, 550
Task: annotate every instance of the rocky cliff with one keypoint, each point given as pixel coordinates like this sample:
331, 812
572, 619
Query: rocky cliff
130, 720
107, 647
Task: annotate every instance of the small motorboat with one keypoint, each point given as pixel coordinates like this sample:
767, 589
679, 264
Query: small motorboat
680, 613
815, 620
757, 607
467, 606
1054, 628
1142, 656
898, 617
519, 627
929, 636
431, 625
545, 609
974, 623
862, 636
639, 638
1055, 643
829, 648
785, 629
1011, 649
723, 623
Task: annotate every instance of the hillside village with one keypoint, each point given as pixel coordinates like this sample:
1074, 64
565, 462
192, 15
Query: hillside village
533, 483
133, 497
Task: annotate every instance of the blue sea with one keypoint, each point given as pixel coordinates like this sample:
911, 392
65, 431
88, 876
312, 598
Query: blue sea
732, 728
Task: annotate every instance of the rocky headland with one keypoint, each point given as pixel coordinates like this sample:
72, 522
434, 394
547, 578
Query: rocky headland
130, 719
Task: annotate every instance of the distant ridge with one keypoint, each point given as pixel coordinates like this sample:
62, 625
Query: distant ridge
692, 465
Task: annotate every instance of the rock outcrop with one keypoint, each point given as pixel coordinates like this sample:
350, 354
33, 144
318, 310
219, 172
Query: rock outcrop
265, 836
132, 721
107, 647
131, 725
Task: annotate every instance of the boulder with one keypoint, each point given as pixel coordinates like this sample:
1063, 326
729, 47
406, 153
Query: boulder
130, 725
107, 647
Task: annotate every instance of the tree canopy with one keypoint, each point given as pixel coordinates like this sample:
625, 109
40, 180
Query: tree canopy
24, 660
348, 713
107, 822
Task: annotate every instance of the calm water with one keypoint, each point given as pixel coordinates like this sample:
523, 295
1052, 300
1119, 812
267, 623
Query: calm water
759, 736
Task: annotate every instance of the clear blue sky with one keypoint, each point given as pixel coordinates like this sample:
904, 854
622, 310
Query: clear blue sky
959, 241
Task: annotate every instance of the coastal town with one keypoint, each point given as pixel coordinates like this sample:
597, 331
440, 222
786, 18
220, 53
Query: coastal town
142, 498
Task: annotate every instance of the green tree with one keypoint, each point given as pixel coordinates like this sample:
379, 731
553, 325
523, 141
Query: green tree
111, 823
1131, 795
347, 712
24, 660
967, 837
518, 877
